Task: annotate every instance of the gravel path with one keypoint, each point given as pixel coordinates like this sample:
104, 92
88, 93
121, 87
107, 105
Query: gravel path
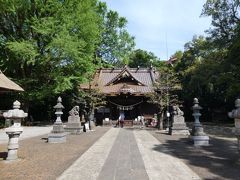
89, 165
41, 160
159, 164
28, 132
219, 160
127, 154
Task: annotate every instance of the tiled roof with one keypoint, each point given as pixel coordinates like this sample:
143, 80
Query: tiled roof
106, 80
125, 72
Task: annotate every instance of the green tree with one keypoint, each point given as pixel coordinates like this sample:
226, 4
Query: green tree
142, 58
178, 55
194, 50
208, 68
89, 99
48, 46
230, 68
225, 18
166, 90
116, 43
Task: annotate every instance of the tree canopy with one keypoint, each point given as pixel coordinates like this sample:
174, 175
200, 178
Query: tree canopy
115, 43
225, 18
143, 58
50, 47
209, 67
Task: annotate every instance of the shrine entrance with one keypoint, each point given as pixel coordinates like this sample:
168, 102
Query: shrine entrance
130, 105
126, 90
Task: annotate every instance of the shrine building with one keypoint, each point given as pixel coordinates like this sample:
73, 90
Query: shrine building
126, 90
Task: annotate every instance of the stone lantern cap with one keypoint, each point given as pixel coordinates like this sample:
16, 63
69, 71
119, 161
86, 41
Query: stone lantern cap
59, 104
15, 113
196, 104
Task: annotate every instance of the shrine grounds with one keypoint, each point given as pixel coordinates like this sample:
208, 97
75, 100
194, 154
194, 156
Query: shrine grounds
41, 160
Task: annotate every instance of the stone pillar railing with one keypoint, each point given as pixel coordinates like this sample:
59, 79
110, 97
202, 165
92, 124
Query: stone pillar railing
236, 115
14, 131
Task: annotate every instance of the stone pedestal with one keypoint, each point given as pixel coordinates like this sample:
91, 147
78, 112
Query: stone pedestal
74, 125
178, 125
13, 142
73, 128
199, 137
236, 115
237, 131
58, 135
15, 130
201, 140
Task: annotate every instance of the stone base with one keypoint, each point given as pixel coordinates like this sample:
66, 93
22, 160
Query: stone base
200, 140
57, 137
179, 129
179, 132
12, 155
58, 128
73, 130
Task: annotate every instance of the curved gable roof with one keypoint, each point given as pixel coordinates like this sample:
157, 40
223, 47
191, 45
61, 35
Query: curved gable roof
125, 72
108, 82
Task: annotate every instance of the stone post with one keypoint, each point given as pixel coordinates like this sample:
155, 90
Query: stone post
58, 135
15, 130
199, 137
236, 115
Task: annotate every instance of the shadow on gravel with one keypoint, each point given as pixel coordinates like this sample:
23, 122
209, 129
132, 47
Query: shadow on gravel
219, 158
3, 155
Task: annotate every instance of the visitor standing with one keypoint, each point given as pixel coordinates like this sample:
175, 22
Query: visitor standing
121, 118
142, 121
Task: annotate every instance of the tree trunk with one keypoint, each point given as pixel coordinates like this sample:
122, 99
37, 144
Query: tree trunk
160, 121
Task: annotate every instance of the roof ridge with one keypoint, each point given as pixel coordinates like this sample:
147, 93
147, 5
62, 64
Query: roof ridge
118, 68
120, 74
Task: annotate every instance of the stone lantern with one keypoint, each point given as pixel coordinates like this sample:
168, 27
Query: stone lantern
15, 130
236, 115
58, 135
199, 137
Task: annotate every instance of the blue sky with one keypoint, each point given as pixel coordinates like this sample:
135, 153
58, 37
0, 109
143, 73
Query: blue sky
162, 26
